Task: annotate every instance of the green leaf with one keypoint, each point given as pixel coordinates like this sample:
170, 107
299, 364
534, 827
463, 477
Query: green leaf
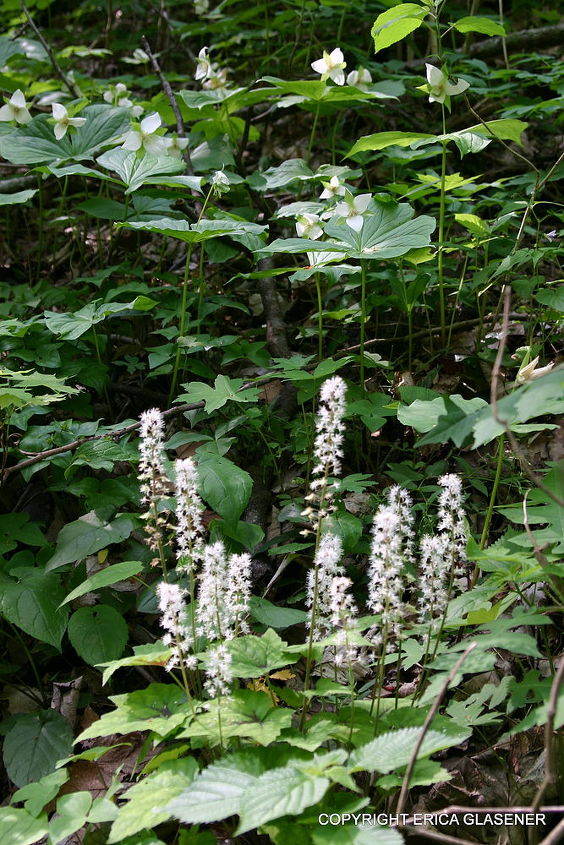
159, 707
135, 170
33, 604
98, 633
36, 795
253, 656
223, 485
225, 390
86, 536
19, 828
394, 749
72, 811
35, 744
244, 714
18, 197
144, 655
146, 800
381, 140
394, 24
196, 232
485, 26
105, 577
279, 792
356, 835
274, 616
74, 325
423, 415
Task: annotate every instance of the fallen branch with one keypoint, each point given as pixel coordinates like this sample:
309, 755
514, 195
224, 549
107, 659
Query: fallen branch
71, 86
550, 769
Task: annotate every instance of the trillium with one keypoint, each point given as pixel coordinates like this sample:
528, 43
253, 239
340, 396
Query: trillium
144, 137
174, 146
217, 79
220, 183
352, 210
307, 226
332, 188
15, 109
439, 86
360, 79
63, 121
331, 66
204, 67
530, 371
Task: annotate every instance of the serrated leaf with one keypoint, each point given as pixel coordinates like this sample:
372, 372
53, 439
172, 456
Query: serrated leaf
245, 713
254, 656
394, 749
35, 744
104, 578
394, 24
86, 536
279, 792
98, 633
356, 835
225, 390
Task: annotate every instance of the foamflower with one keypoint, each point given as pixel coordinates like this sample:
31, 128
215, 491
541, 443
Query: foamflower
439, 86
307, 226
360, 79
331, 66
63, 121
352, 209
144, 137
15, 109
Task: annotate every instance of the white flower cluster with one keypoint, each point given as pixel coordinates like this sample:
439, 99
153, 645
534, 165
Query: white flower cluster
117, 95
189, 508
343, 617
219, 675
152, 476
328, 445
452, 521
173, 619
432, 595
326, 566
224, 593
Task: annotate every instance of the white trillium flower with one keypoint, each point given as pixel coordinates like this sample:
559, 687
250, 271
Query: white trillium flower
145, 138
201, 6
307, 226
175, 146
15, 109
530, 371
220, 183
217, 79
331, 66
63, 121
439, 86
204, 67
332, 188
352, 210
360, 79
116, 96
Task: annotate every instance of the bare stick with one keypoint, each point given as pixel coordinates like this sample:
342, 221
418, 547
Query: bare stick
426, 725
555, 836
172, 100
550, 770
74, 90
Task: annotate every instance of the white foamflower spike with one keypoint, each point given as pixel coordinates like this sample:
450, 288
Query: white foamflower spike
331, 66
439, 86
15, 108
63, 121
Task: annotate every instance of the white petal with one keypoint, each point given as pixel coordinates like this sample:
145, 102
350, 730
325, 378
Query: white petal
355, 222
362, 201
121, 88
60, 130
203, 53
342, 209
137, 111
437, 98
23, 116
336, 56
300, 229
59, 111
125, 103
352, 78
77, 121
320, 66
108, 97
315, 232
7, 113
150, 123
18, 99
457, 87
132, 141
155, 145
338, 76
435, 76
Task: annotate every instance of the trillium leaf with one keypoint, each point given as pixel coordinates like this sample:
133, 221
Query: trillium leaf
197, 233
134, 170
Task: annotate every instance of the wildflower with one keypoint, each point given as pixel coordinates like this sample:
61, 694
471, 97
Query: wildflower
400, 500
452, 521
238, 594
218, 671
15, 109
332, 188
224, 593
434, 569
307, 226
139, 57
331, 66
145, 137
152, 475
530, 371
327, 449
216, 80
201, 6
360, 79
386, 562
175, 146
116, 95
326, 566
439, 87
189, 507
63, 121
352, 209
343, 618
173, 610
219, 183
204, 66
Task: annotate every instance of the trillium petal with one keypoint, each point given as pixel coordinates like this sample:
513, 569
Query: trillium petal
150, 123
336, 56
457, 87
355, 222
59, 111
155, 145
338, 77
17, 99
23, 116
319, 66
108, 97
362, 201
77, 121
7, 113
60, 130
435, 76
132, 141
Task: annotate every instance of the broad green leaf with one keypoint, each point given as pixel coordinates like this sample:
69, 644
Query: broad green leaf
34, 745
279, 792
273, 615
224, 486
35, 142
17, 827
134, 170
552, 297
225, 390
394, 24
245, 713
350, 834
16, 528
394, 749
146, 800
423, 415
33, 604
18, 197
37, 794
86, 536
98, 633
74, 325
381, 140
485, 26
197, 232
105, 577
72, 811
253, 656
282, 175
159, 707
